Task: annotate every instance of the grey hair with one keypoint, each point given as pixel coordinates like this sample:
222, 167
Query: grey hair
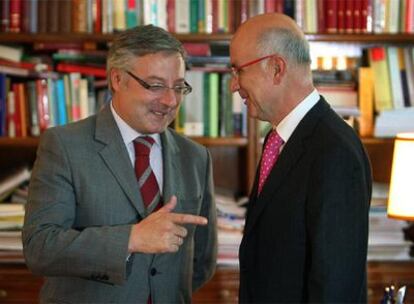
140, 41
285, 42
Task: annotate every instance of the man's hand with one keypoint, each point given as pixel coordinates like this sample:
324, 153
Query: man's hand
162, 231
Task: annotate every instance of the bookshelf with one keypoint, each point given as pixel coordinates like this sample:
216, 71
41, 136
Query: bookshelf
234, 158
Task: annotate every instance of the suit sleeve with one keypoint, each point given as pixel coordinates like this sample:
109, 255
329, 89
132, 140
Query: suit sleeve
52, 247
337, 226
205, 252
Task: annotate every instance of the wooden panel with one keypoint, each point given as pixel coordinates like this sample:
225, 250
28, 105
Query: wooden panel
223, 288
380, 154
229, 169
18, 285
382, 274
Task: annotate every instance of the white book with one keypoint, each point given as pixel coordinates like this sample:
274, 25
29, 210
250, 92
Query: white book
193, 103
161, 13
395, 77
11, 53
182, 16
14, 180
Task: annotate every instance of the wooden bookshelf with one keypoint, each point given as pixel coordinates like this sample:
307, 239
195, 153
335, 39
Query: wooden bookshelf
402, 38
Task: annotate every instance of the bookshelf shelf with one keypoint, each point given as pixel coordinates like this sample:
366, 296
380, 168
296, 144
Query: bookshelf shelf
221, 141
403, 38
28, 38
23, 142
98, 38
32, 142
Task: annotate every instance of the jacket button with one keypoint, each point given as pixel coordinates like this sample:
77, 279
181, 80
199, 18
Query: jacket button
153, 271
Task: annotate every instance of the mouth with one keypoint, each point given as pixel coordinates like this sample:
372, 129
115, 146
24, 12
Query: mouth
159, 113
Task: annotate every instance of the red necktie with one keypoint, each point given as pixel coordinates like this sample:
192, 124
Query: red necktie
269, 157
147, 182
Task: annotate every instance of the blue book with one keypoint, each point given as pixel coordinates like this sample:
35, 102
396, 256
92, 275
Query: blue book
62, 117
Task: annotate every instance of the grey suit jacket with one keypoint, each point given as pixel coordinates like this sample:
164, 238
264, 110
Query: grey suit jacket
83, 199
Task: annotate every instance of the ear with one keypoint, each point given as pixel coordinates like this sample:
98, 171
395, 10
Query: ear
278, 68
116, 79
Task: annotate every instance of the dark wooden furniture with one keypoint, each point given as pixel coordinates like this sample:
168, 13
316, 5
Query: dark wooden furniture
18, 285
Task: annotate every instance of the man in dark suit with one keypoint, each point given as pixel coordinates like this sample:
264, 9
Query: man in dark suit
306, 232
100, 232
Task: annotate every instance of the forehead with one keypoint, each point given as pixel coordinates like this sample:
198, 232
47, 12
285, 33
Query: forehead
160, 63
242, 48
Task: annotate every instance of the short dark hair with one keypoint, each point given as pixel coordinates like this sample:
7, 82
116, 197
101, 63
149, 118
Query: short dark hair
140, 41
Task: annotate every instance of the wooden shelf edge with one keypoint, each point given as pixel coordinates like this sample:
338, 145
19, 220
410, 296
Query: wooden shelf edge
98, 37
32, 142
221, 141
23, 142
404, 38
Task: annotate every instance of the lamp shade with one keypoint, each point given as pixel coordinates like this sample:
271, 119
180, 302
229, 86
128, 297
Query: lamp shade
401, 196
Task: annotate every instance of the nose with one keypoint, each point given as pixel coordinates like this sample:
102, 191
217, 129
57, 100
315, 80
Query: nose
170, 98
234, 84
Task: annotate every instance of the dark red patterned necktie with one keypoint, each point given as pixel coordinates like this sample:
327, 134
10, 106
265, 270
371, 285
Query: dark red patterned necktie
147, 182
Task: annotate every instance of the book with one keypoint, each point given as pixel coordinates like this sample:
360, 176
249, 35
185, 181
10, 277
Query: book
366, 101
10, 53
12, 181
82, 69
382, 86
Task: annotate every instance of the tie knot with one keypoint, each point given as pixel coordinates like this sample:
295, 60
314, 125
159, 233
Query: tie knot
274, 140
142, 145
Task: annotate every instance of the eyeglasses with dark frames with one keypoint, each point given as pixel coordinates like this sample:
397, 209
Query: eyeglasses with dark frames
235, 71
160, 89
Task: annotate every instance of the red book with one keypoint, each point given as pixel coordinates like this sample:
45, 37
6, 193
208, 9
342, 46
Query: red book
22, 100
83, 69
171, 16
97, 16
279, 7
25, 18
270, 6
42, 104
365, 11
13, 110
5, 15
409, 17
331, 15
322, 16
357, 16
244, 10
340, 16
197, 49
15, 15
349, 16
230, 17
215, 15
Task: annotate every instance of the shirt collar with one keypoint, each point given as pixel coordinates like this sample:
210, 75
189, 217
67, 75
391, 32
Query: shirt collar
129, 134
286, 127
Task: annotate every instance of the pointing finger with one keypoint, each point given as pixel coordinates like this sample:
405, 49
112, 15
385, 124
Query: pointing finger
180, 218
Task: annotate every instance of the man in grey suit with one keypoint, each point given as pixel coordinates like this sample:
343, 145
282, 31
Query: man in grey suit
88, 228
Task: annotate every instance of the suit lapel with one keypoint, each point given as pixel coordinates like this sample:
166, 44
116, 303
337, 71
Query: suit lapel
172, 167
289, 156
115, 156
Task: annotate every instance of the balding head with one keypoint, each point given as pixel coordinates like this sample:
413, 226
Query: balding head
273, 33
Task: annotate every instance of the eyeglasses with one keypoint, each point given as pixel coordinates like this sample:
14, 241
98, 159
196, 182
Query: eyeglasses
236, 70
160, 89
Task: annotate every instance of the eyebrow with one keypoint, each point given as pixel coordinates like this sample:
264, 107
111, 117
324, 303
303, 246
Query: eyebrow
164, 80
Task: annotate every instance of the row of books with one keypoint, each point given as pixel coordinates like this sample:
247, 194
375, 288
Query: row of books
211, 110
203, 16
393, 69
30, 107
